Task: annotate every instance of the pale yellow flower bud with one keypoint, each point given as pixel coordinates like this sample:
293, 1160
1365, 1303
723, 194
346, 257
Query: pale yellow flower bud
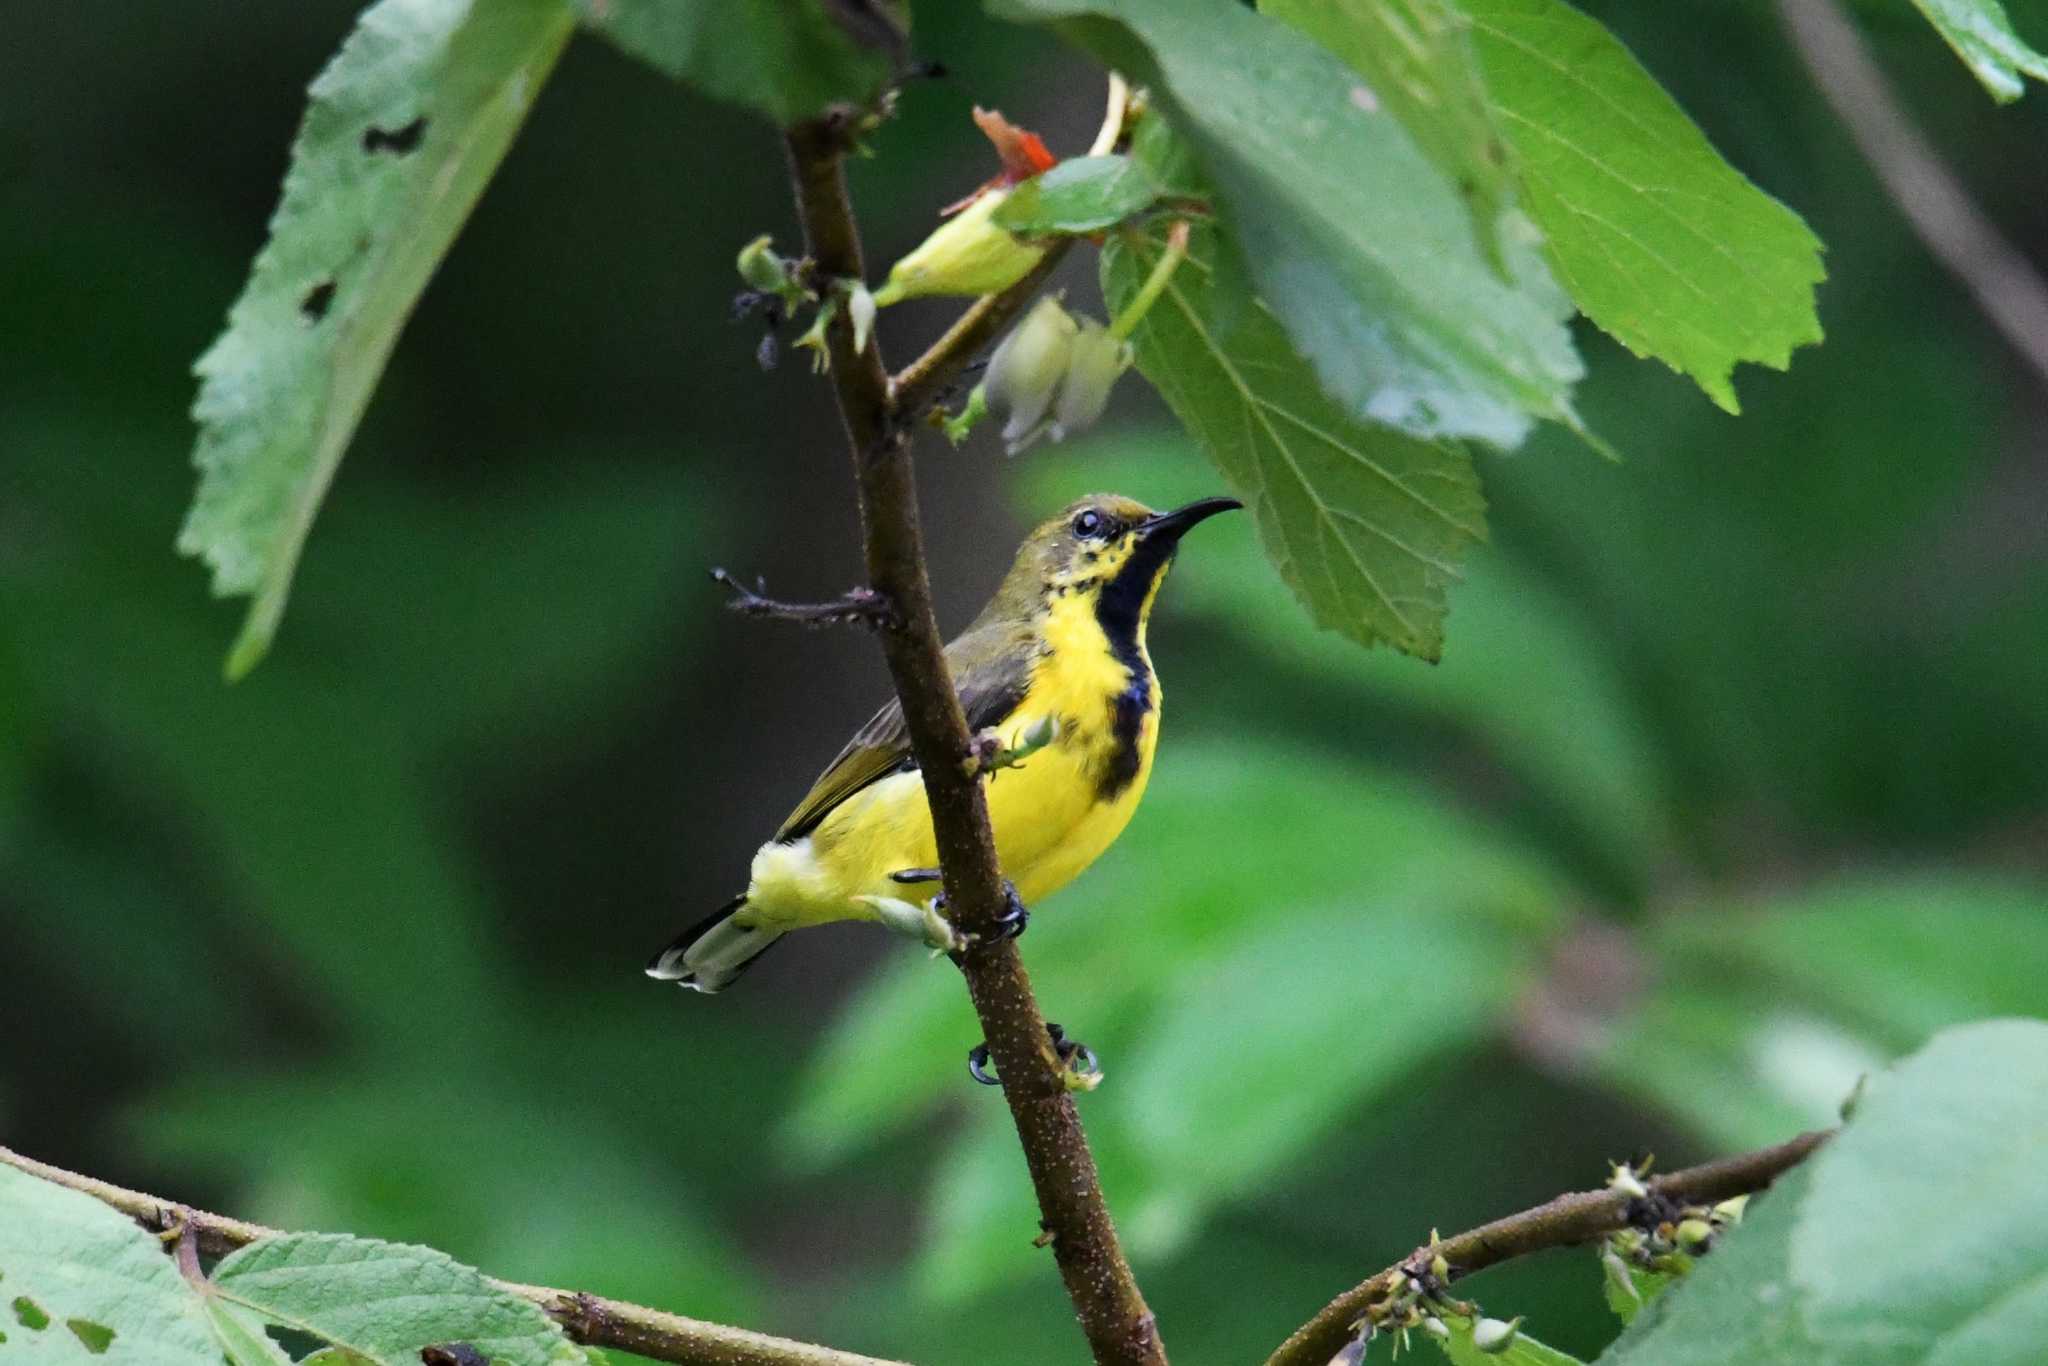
968, 254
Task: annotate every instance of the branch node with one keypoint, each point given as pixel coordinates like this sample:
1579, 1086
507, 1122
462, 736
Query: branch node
865, 607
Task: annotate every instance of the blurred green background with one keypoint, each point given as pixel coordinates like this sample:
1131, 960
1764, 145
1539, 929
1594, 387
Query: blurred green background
1734, 779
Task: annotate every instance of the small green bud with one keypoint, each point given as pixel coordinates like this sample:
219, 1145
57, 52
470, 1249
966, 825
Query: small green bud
1494, 1336
762, 269
957, 425
1440, 1268
968, 254
1626, 1181
1434, 1326
813, 338
1694, 1234
1729, 1211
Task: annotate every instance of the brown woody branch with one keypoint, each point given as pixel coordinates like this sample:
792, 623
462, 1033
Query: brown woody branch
1566, 1221
1105, 1295
591, 1320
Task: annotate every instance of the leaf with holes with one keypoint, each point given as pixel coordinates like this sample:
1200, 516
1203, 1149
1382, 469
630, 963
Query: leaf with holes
80, 1282
1416, 57
1365, 523
1983, 37
1661, 242
787, 59
405, 126
386, 1301
1362, 247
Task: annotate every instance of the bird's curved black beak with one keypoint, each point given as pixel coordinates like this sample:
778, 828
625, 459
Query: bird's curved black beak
1169, 527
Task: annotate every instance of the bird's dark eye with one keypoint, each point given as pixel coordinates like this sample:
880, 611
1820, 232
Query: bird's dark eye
1088, 523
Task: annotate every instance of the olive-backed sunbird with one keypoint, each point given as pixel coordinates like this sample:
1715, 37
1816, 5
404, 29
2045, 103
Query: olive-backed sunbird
1055, 668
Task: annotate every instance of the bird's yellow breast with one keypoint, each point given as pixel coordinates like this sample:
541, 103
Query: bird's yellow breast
1053, 814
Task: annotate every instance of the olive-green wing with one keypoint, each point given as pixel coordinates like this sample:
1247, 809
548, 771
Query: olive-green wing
992, 682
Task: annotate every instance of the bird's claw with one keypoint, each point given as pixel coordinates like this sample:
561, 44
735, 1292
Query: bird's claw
1080, 1070
1015, 917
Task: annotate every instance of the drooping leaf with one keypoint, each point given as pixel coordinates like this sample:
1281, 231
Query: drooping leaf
1361, 247
1080, 195
386, 1301
1364, 522
404, 128
1983, 37
1416, 57
787, 59
82, 1283
1661, 242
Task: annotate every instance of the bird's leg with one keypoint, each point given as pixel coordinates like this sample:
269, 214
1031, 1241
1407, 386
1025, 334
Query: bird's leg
1079, 1068
923, 921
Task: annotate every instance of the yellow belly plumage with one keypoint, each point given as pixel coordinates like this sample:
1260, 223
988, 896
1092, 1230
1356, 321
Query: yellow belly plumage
1050, 816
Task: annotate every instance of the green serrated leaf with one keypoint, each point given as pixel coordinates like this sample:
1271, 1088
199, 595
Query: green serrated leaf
1080, 195
75, 1274
787, 59
1363, 250
1364, 523
1416, 57
1984, 38
387, 1301
1661, 242
405, 126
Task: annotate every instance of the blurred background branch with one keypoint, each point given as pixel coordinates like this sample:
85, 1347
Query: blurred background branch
1072, 1211
1931, 196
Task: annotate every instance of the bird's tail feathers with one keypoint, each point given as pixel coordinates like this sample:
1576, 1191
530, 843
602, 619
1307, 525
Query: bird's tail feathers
711, 954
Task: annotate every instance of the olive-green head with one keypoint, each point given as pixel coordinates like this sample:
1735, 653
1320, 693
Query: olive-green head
1106, 548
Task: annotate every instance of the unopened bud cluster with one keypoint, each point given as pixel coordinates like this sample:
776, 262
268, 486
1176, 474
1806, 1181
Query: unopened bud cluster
1663, 1240
1419, 1298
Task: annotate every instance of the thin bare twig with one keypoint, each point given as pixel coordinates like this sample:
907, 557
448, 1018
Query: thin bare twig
856, 607
1564, 1222
591, 1320
2009, 291
1113, 1314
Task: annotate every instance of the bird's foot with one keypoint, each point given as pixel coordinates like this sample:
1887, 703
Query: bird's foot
1079, 1068
1010, 921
